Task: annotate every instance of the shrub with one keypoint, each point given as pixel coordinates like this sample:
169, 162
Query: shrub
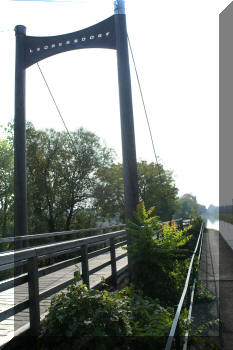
154, 261
92, 319
77, 318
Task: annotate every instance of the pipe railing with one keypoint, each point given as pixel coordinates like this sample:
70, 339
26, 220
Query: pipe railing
175, 329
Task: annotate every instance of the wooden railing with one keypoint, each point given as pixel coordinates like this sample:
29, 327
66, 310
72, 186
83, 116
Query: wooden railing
83, 249
68, 250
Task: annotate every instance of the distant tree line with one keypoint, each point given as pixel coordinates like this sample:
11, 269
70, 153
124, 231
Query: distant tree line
77, 184
187, 206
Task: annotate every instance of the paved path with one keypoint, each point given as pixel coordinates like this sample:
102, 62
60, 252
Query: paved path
226, 283
216, 274
208, 275
15, 295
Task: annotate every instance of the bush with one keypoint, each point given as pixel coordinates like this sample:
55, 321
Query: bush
92, 319
77, 318
156, 261
194, 230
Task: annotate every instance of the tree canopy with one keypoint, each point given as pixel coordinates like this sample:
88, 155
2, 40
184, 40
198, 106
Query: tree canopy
156, 188
6, 185
73, 182
188, 206
61, 175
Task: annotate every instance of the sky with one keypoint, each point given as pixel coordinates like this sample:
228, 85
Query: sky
175, 45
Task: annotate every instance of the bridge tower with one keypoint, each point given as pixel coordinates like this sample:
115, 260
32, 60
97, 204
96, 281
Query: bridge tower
109, 34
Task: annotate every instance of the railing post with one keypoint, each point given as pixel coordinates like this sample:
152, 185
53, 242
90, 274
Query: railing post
33, 291
51, 259
113, 262
181, 224
85, 268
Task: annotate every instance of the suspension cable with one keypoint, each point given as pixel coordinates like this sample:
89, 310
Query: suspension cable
55, 103
144, 106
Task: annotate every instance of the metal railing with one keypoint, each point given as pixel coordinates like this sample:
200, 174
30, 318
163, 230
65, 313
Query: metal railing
189, 290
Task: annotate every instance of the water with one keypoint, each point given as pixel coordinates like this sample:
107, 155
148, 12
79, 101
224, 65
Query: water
212, 223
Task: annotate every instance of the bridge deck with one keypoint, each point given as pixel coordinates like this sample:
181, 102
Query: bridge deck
18, 294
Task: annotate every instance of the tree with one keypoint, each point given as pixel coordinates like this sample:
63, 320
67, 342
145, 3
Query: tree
6, 185
188, 207
61, 173
108, 193
156, 188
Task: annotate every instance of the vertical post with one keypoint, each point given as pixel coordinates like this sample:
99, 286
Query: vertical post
126, 113
33, 291
20, 185
113, 262
181, 224
85, 269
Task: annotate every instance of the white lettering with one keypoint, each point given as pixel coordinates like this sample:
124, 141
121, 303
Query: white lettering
46, 47
31, 51
59, 44
100, 35
83, 39
92, 37
75, 40
67, 42
38, 49
53, 45
107, 34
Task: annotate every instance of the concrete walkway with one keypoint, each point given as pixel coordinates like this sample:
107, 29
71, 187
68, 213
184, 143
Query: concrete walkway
208, 275
216, 275
226, 284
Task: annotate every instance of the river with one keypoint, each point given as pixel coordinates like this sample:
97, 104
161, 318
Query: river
212, 223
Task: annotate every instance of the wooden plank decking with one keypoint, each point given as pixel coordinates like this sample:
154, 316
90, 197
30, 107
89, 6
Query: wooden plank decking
18, 294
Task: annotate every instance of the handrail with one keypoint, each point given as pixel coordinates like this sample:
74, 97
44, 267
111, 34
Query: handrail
77, 246
180, 305
192, 297
26, 253
30, 256
11, 239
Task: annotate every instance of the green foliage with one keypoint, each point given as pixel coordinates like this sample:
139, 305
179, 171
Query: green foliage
194, 230
109, 191
61, 176
188, 206
156, 187
78, 318
203, 295
130, 318
6, 185
156, 265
